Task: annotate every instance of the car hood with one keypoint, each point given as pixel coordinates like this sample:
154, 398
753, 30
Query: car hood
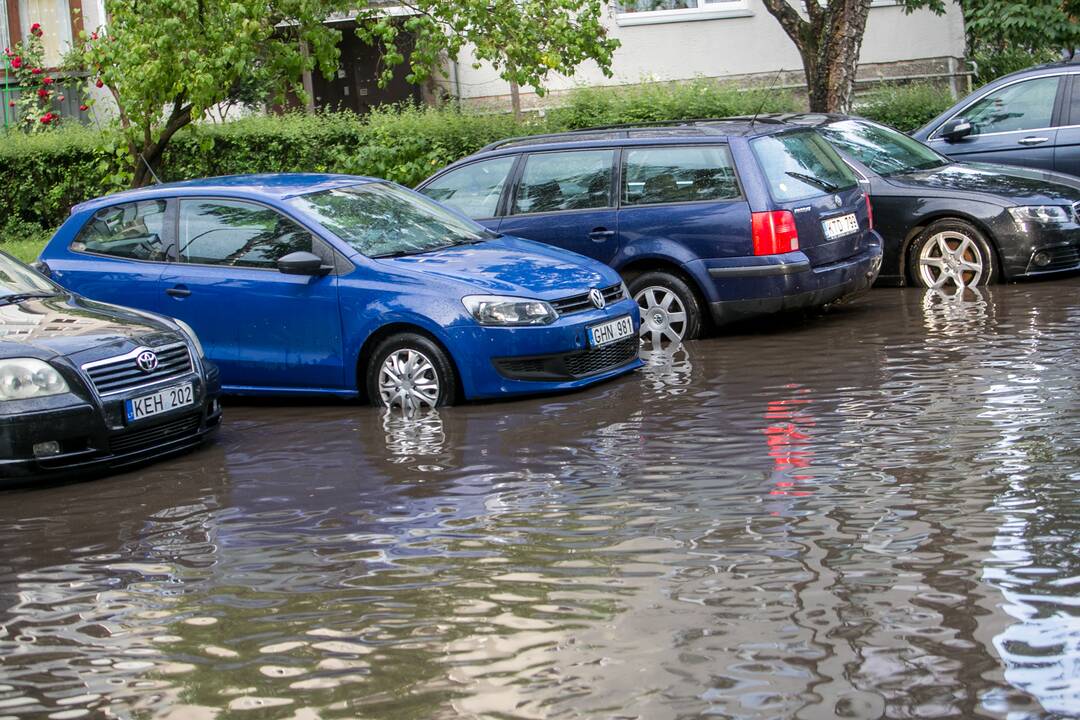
80, 329
1004, 184
512, 266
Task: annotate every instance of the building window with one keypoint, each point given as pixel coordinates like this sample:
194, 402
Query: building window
54, 17
642, 12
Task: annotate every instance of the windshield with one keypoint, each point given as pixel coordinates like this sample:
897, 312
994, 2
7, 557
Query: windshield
800, 165
16, 279
380, 220
881, 149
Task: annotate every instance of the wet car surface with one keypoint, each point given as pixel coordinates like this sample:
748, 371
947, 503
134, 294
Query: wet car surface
870, 514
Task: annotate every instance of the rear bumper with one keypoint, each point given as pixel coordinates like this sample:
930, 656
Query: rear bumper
779, 283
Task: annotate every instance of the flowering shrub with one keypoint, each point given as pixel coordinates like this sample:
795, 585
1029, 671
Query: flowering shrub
39, 88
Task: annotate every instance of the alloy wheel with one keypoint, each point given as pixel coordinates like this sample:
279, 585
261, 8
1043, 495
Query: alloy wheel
950, 259
663, 316
408, 380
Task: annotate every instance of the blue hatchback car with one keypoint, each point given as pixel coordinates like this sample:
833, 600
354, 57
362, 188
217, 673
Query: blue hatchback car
719, 220
341, 285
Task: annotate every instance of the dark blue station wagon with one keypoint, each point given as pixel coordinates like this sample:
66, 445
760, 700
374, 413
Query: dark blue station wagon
712, 220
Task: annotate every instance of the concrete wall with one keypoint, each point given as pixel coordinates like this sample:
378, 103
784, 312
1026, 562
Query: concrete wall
741, 41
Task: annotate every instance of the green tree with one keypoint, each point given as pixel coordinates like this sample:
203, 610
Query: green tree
828, 35
1024, 26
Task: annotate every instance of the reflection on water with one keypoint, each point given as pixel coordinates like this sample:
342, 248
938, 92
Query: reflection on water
870, 514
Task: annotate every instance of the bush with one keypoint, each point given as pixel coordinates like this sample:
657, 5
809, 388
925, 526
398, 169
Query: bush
654, 102
992, 64
23, 239
905, 107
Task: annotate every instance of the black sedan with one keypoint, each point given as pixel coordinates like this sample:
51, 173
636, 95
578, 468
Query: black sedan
88, 387
951, 224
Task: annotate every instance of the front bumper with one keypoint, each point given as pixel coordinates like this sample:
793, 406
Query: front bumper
500, 361
94, 438
779, 283
1047, 250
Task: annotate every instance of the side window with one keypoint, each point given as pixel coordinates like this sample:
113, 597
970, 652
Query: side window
565, 181
678, 174
1073, 111
1025, 105
240, 234
473, 190
131, 230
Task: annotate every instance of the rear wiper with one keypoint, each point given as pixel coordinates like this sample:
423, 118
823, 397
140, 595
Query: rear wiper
19, 297
823, 184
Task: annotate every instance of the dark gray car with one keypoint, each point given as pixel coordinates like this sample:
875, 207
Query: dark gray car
1031, 118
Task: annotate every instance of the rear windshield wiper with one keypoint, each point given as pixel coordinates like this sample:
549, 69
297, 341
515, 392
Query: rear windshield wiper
823, 184
19, 297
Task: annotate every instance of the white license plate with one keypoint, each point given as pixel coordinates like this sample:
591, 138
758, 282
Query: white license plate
612, 331
839, 226
160, 402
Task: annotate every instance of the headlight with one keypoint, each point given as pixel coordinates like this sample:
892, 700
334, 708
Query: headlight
25, 378
497, 310
191, 336
1043, 214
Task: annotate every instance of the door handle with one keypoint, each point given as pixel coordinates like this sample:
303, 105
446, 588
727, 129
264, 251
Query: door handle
601, 234
178, 292
1033, 140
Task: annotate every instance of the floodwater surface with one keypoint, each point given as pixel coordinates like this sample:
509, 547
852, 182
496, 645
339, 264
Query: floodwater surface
870, 513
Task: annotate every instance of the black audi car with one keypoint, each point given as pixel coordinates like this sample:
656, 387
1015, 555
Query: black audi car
948, 223
87, 387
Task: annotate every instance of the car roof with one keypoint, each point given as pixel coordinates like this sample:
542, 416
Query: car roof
265, 187
711, 128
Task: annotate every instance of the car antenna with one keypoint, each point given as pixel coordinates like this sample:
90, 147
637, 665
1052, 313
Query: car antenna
157, 180
765, 97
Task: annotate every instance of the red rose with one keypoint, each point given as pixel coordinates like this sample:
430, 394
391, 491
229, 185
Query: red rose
47, 81
99, 83
16, 62
60, 98
11, 103
35, 29
47, 118
42, 93
84, 108
35, 71
93, 36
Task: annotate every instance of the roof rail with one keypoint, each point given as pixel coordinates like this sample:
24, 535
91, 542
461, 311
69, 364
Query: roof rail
619, 127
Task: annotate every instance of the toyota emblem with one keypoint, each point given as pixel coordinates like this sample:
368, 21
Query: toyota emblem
837, 200
147, 361
597, 299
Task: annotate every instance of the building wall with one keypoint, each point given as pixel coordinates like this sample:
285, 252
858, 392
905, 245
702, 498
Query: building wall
741, 41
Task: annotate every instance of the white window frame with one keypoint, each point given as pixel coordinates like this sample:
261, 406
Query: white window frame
5, 34
717, 10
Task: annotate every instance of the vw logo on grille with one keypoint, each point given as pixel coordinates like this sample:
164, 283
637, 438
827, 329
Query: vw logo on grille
597, 299
147, 361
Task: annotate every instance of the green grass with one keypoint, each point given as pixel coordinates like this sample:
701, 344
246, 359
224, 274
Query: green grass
26, 250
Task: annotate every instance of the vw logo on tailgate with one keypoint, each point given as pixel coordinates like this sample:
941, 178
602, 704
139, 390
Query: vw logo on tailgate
147, 361
597, 299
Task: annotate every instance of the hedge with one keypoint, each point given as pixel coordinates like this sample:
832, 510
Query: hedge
43, 175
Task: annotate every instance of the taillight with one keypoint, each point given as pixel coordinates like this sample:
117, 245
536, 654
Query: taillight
869, 213
774, 232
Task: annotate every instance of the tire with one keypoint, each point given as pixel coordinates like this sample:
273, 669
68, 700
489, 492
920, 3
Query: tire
951, 255
670, 311
433, 381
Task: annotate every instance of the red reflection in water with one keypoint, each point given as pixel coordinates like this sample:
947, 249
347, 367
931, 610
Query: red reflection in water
789, 442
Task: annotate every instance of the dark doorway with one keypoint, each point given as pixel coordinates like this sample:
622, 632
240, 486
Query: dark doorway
355, 86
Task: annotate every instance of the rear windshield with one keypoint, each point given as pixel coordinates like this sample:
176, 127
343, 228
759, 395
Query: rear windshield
800, 165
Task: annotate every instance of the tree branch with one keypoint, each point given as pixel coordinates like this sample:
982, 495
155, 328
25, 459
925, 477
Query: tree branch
789, 19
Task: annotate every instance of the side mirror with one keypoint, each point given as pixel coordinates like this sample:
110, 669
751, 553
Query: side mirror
956, 129
302, 263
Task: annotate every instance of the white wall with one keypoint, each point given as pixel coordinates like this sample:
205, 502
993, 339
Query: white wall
748, 41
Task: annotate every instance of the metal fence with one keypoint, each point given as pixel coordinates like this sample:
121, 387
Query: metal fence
70, 86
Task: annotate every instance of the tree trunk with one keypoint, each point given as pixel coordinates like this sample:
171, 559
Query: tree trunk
828, 39
146, 161
515, 100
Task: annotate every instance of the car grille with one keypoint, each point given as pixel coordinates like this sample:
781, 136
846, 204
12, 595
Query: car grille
579, 303
134, 441
114, 375
570, 366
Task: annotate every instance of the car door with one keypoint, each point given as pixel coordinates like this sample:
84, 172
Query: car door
565, 198
119, 255
1067, 151
474, 190
682, 195
264, 329
1014, 124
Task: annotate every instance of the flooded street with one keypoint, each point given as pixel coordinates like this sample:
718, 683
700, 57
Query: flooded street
871, 513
